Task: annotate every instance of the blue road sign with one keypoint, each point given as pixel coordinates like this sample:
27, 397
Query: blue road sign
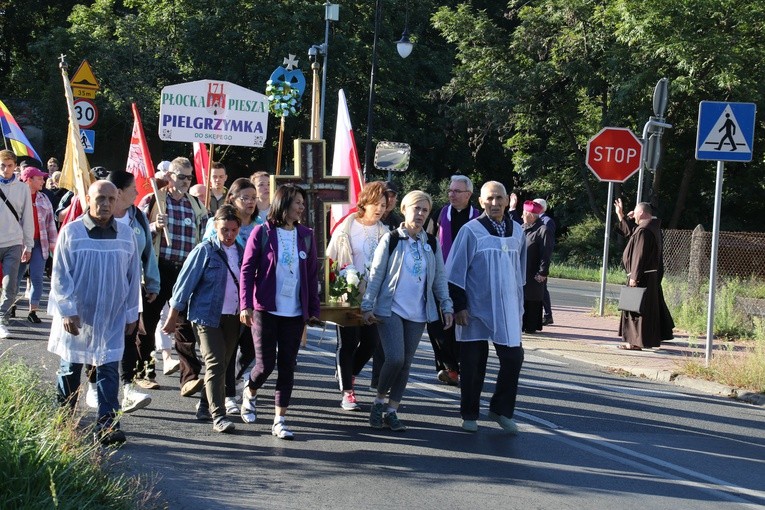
88, 139
725, 131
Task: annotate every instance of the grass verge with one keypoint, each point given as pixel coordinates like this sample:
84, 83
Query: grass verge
587, 274
47, 462
740, 367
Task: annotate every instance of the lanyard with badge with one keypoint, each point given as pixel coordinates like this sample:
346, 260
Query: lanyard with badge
289, 281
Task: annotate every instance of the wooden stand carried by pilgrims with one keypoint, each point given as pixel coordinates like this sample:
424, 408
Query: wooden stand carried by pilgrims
322, 190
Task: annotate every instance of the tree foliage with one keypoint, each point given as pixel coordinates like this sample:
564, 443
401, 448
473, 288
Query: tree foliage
496, 90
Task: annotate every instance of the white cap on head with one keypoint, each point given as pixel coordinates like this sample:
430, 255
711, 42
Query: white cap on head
542, 202
163, 166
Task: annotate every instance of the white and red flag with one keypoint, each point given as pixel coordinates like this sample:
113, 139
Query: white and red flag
345, 162
139, 159
201, 161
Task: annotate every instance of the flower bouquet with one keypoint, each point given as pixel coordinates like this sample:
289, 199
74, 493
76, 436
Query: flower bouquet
344, 283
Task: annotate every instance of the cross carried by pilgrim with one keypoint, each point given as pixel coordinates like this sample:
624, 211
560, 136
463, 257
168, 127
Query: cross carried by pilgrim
322, 191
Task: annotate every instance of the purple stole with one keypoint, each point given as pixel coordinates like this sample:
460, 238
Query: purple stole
445, 228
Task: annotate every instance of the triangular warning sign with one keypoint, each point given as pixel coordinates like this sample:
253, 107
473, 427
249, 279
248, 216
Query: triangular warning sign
725, 135
84, 77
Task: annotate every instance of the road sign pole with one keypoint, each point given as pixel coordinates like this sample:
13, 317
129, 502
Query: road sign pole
713, 261
606, 240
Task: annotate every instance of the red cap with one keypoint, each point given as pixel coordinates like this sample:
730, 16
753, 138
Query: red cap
533, 207
29, 171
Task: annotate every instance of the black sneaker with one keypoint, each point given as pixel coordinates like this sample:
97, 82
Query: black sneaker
110, 437
33, 318
547, 321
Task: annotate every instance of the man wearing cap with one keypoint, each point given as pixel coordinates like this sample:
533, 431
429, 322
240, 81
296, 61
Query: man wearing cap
549, 223
16, 233
538, 252
449, 221
45, 235
486, 269
390, 217
182, 218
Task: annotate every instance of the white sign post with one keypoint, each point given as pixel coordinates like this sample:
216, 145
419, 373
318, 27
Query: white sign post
214, 112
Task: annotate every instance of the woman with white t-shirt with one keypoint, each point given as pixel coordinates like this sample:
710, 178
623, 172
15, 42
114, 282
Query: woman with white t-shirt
407, 286
279, 296
354, 242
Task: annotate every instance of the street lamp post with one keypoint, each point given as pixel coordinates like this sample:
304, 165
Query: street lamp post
404, 47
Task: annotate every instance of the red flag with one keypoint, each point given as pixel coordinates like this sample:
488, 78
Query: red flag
201, 159
345, 161
139, 159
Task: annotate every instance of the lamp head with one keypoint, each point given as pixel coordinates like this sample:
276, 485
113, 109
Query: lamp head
404, 45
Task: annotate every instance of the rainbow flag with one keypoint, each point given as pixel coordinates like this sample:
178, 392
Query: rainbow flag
12, 131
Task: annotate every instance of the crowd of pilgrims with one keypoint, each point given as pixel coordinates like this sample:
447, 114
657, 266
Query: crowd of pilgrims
239, 279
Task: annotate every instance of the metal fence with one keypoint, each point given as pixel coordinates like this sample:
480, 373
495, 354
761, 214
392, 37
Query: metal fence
740, 254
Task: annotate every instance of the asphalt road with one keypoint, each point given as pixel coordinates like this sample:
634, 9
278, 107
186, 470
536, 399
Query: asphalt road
579, 293
589, 439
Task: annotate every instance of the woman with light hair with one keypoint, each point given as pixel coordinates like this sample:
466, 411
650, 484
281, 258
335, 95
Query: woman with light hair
407, 284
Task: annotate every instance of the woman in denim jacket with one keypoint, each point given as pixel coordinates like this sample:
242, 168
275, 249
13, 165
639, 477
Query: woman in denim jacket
407, 285
208, 285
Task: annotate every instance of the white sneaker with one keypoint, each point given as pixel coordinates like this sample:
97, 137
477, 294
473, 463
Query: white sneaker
231, 406
249, 406
281, 431
4, 333
170, 366
133, 400
91, 397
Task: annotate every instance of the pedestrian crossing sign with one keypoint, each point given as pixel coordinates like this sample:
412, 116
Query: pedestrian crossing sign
725, 131
88, 139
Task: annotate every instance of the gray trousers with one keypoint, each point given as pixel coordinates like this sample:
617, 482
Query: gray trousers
10, 258
399, 339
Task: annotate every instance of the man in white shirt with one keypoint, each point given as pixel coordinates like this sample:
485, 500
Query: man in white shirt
90, 321
490, 248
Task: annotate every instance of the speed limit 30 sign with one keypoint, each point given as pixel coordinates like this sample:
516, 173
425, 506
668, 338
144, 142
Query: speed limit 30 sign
85, 112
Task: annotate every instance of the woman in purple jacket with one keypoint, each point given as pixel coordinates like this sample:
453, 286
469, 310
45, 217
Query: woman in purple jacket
279, 294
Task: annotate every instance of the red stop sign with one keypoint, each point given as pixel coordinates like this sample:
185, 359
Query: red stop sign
614, 154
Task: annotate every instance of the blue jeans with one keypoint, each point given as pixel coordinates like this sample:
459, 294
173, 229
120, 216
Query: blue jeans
36, 268
107, 382
399, 339
10, 258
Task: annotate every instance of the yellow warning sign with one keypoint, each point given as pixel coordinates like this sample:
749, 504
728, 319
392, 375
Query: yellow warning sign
84, 78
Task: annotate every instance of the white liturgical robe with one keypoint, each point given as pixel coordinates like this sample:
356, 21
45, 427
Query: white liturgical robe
97, 280
491, 270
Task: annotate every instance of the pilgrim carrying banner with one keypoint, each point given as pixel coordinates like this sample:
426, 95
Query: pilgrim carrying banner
217, 112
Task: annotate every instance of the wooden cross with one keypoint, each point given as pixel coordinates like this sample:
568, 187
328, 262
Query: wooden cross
322, 190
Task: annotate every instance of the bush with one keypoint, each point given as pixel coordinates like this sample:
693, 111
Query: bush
583, 245
46, 462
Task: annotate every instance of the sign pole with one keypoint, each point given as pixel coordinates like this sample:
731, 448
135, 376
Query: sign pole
208, 173
606, 240
713, 261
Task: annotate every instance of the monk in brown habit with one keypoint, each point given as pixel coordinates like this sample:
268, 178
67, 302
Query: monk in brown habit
643, 261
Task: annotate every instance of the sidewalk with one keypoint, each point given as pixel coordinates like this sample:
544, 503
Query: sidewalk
579, 336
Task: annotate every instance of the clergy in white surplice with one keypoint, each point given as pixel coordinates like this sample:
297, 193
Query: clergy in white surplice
486, 272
